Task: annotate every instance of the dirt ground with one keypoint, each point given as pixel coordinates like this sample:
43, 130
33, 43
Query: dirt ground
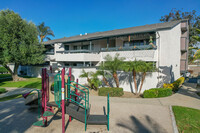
126, 94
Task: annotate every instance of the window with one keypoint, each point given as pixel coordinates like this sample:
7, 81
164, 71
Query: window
75, 48
85, 47
66, 47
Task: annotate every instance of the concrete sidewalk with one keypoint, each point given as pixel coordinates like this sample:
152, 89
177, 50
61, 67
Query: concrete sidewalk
126, 114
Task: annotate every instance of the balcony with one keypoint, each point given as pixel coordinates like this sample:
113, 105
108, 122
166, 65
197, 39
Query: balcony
49, 56
77, 56
130, 48
145, 55
184, 26
183, 44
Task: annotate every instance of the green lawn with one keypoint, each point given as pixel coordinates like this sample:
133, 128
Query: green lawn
5, 75
28, 83
187, 119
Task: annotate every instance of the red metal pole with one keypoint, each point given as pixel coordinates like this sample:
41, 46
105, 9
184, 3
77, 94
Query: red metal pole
70, 74
76, 91
45, 93
63, 100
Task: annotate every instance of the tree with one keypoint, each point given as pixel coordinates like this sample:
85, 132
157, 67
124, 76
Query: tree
134, 67
44, 32
104, 74
95, 82
194, 22
18, 42
113, 64
92, 79
144, 68
85, 74
197, 38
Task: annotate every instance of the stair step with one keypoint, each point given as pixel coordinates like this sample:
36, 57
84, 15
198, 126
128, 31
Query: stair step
97, 120
48, 113
76, 111
52, 104
39, 123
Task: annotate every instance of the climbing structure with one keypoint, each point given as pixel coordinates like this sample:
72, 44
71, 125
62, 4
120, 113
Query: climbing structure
72, 98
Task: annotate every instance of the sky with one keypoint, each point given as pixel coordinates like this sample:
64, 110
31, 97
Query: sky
73, 17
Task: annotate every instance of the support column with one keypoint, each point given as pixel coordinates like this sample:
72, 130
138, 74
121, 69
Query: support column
70, 75
90, 46
107, 42
63, 100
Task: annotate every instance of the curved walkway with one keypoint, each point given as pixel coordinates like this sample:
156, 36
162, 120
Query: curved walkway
126, 114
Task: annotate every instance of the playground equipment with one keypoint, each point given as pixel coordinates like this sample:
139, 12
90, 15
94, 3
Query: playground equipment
73, 101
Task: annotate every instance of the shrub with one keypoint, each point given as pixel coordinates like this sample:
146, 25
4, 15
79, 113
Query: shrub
113, 92
157, 92
2, 90
175, 85
3, 70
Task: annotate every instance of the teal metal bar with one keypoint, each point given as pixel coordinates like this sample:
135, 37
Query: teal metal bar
108, 111
85, 116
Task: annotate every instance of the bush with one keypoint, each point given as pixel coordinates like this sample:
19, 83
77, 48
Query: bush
2, 90
113, 92
157, 92
3, 70
175, 85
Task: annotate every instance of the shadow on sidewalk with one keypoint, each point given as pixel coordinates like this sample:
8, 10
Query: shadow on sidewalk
137, 126
16, 117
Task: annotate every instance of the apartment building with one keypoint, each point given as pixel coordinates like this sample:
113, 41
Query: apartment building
165, 44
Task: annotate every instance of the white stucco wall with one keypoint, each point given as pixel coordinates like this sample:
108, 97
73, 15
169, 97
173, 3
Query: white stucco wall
169, 54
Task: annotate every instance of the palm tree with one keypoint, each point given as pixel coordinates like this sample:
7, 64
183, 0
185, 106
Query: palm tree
85, 74
44, 32
144, 68
113, 64
95, 82
134, 67
104, 74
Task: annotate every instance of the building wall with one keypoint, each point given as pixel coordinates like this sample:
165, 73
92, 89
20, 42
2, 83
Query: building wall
169, 54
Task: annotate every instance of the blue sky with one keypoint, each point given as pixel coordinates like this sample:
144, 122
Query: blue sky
73, 17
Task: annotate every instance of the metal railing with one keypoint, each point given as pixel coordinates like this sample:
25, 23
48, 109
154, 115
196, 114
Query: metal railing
142, 47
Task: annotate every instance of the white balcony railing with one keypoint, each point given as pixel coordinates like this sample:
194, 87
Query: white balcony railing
145, 55
77, 57
49, 57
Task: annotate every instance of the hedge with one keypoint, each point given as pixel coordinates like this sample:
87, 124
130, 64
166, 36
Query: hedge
113, 92
2, 90
175, 85
157, 92
3, 70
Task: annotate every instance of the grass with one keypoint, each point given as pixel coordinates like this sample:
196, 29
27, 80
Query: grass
198, 93
10, 97
5, 75
187, 119
28, 83
3, 90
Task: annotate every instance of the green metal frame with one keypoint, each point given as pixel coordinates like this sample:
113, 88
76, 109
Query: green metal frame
108, 111
84, 98
57, 89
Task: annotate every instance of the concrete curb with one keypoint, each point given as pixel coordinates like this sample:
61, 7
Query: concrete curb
173, 120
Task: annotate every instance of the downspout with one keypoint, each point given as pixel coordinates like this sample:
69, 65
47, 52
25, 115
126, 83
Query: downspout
158, 55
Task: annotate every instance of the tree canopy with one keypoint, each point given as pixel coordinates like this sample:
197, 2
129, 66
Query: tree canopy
44, 32
18, 42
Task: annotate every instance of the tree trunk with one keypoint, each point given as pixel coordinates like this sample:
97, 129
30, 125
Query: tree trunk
14, 74
116, 79
143, 77
106, 81
135, 82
